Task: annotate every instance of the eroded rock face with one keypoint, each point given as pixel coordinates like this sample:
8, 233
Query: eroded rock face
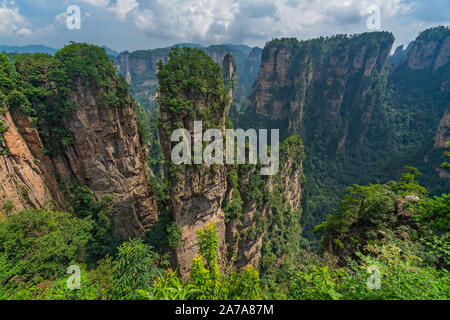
247, 236
222, 194
299, 84
429, 52
102, 148
140, 68
275, 65
429, 59
423, 54
443, 56
443, 132
136, 63
229, 74
196, 202
440, 141
197, 191
108, 158
244, 244
26, 181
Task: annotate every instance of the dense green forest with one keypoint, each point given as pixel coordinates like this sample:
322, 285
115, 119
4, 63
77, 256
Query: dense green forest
375, 229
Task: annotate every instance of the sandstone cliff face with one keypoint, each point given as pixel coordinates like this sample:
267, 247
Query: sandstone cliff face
274, 65
139, 69
441, 139
443, 56
244, 242
108, 158
423, 54
427, 68
248, 73
260, 222
26, 182
196, 202
327, 79
330, 92
230, 78
196, 191
136, 63
102, 148
443, 132
429, 54
235, 197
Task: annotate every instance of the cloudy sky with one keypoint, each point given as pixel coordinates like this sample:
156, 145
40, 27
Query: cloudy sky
143, 24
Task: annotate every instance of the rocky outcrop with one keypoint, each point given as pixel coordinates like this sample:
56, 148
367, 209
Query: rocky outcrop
94, 142
443, 56
26, 182
443, 133
108, 158
440, 141
274, 65
352, 112
431, 50
423, 54
237, 198
401, 55
301, 82
429, 54
247, 74
330, 92
424, 70
230, 78
196, 191
260, 222
139, 62
139, 69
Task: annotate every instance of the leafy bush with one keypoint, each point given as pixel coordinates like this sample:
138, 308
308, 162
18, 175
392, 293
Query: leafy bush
319, 283
136, 267
85, 206
367, 209
40, 244
402, 277
435, 213
17, 100
169, 286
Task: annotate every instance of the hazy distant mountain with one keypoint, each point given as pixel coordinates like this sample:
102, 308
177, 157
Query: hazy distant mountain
242, 47
110, 52
28, 49
186, 45
45, 49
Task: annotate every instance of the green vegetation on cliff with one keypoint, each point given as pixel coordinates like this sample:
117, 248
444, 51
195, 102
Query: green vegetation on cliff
190, 73
44, 87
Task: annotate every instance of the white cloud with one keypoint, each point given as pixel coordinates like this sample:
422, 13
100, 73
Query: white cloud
123, 7
98, 3
120, 7
11, 21
61, 18
241, 20
24, 32
189, 19
133, 24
